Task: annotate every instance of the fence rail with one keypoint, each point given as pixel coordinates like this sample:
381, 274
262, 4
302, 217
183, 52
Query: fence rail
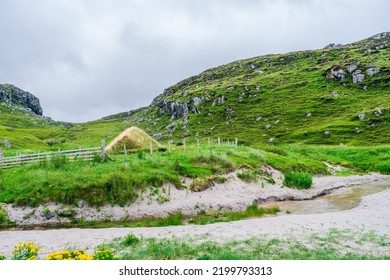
71, 155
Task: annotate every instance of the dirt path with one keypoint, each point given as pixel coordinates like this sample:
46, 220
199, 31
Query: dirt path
372, 214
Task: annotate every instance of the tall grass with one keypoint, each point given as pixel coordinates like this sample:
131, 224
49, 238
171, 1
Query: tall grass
297, 180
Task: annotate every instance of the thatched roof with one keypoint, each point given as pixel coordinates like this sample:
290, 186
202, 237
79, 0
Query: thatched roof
134, 138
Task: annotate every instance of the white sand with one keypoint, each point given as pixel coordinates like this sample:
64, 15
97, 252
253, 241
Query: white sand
233, 195
371, 214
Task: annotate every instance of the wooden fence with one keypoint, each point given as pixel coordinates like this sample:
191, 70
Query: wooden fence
71, 155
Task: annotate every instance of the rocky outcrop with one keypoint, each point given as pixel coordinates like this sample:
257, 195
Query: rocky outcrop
332, 46
371, 71
20, 98
357, 76
337, 72
124, 114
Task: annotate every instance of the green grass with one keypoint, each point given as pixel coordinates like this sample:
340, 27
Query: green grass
203, 217
297, 180
384, 168
120, 182
248, 175
333, 245
252, 211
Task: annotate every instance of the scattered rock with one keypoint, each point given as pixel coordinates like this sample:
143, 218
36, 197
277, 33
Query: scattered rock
308, 115
219, 101
171, 126
157, 136
259, 72
372, 71
335, 93
268, 126
229, 112
357, 76
327, 133
197, 101
276, 122
49, 216
351, 67
271, 140
362, 116
337, 72
378, 112
258, 119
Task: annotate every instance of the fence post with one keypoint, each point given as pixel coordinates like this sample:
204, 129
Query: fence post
219, 141
208, 140
79, 152
103, 149
169, 146
184, 143
151, 147
228, 142
236, 141
1, 158
198, 145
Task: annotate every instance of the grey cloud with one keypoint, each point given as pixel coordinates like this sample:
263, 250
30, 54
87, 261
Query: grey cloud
87, 59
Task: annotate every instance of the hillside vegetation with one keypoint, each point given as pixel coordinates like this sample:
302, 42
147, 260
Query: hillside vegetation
337, 95
328, 96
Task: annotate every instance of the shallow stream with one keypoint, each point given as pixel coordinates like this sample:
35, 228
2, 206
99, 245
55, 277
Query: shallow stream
339, 200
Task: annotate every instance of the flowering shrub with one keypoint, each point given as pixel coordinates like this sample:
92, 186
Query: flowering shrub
69, 255
2, 257
104, 254
25, 251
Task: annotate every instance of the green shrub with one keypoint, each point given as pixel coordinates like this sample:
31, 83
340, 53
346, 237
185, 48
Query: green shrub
130, 240
384, 168
2, 257
297, 180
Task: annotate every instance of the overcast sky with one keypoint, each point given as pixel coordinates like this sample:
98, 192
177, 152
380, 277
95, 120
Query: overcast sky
86, 59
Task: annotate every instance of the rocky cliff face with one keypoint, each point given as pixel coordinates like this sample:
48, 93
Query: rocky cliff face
11, 95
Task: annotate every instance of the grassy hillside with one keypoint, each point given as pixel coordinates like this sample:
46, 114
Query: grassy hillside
283, 98
119, 182
288, 98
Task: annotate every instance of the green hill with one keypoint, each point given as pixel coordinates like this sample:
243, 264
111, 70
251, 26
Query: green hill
339, 94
